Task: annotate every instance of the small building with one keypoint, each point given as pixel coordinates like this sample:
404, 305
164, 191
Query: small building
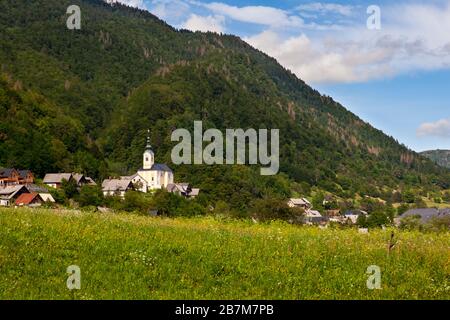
79, 179
26, 177
9, 177
139, 183
302, 203
183, 189
353, 215
313, 217
55, 180
116, 187
43, 192
29, 200
9, 194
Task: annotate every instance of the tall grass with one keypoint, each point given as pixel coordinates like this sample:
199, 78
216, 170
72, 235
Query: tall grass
132, 257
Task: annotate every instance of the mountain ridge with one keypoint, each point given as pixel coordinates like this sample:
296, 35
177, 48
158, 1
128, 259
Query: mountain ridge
126, 71
439, 156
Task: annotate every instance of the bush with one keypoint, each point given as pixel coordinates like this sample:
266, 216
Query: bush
377, 219
90, 196
440, 224
136, 201
70, 188
268, 209
410, 223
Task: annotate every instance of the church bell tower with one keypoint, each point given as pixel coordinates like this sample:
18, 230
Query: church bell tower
149, 156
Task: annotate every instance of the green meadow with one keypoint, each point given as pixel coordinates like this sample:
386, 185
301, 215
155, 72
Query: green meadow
123, 256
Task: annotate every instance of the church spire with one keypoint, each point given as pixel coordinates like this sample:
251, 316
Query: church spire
149, 156
149, 146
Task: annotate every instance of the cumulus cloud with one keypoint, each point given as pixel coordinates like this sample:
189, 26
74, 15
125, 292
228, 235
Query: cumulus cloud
440, 128
209, 23
324, 61
173, 10
262, 15
413, 37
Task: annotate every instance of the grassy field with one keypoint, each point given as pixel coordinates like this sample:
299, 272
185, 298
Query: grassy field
132, 257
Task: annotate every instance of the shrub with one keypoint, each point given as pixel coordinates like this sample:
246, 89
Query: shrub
268, 209
90, 196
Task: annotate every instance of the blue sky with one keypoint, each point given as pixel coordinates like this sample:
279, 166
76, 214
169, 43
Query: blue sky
397, 77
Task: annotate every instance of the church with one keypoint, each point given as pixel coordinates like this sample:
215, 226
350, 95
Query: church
152, 176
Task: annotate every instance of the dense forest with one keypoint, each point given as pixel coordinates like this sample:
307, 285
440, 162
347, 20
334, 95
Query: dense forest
82, 100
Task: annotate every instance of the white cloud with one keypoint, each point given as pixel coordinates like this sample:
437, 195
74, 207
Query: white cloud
209, 23
324, 61
170, 10
440, 128
261, 15
324, 8
413, 37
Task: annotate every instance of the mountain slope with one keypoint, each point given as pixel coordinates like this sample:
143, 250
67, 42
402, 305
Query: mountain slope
126, 71
441, 157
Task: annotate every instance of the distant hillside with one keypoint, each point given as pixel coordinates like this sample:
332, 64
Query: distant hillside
83, 101
441, 157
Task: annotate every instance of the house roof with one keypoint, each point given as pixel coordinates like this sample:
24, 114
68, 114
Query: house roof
300, 201
194, 192
116, 184
10, 191
23, 173
35, 188
6, 172
27, 198
78, 177
57, 177
182, 187
355, 213
91, 181
312, 214
158, 167
426, 213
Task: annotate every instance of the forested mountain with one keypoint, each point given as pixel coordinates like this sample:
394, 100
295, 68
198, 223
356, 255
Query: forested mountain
441, 157
84, 99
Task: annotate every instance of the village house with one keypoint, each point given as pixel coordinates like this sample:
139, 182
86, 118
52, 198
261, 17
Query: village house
9, 194
29, 200
301, 203
183, 189
54, 180
313, 217
353, 215
26, 177
43, 192
11, 176
116, 187
139, 183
